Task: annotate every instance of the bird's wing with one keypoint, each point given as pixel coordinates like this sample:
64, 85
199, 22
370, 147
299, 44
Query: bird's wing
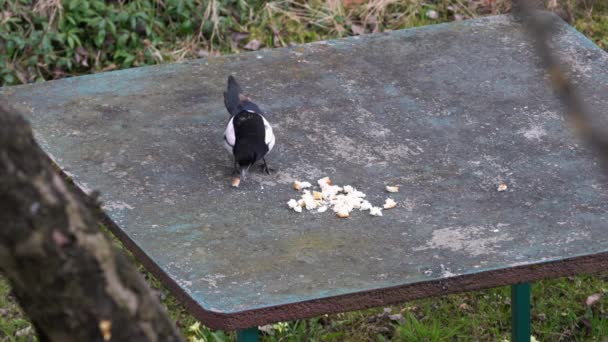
268, 134
229, 136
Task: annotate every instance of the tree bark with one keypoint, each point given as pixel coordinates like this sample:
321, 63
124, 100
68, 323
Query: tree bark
65, 274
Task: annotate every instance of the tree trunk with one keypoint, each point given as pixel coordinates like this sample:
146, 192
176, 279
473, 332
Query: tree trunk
65, 274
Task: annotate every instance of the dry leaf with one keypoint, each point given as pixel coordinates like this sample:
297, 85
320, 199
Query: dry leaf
397, 318
432, 14
352, 3
268, 329
594, 298
237, 37
357, 29
502, 187
24, 332
105, 326
110, 67
82, 51
253, 45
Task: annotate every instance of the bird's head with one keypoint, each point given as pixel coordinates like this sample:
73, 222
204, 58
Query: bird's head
243, 169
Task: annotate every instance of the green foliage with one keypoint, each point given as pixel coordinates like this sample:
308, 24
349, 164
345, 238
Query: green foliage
12, 319
559, 313
49, 39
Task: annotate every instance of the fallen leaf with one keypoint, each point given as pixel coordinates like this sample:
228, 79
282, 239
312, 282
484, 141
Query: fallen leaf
585, 323
397, 318
237, 37
105, 326
502, 187
110, 67
267, 329
351, 3
59, 238
357, 29
82, 51
432, 14
594, 298
24, 332
464, 307
252, 45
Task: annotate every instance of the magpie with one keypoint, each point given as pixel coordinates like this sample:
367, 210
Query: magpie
248, 136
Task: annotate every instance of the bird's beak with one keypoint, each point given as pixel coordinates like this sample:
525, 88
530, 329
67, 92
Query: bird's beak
244, 173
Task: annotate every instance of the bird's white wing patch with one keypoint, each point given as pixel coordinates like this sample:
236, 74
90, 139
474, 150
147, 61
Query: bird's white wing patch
268, 134
229, 137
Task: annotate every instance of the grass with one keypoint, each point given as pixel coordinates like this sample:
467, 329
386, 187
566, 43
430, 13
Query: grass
50, 39
559, 313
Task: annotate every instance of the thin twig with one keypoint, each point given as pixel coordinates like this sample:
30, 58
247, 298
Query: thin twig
540, 30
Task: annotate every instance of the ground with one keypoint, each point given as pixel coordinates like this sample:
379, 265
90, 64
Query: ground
53, 39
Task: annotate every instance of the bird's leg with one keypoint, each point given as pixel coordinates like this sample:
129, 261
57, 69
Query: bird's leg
235, 171
265, 167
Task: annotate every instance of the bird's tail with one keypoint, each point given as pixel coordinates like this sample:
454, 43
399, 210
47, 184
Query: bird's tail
232, 95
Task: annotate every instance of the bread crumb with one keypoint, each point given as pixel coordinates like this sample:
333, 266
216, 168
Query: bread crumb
341, 200
324, 181
292, 203
375, 211
236, 181
342, 214
502, 187
392, 188
389, 204
365, 205
301, 185
309, 201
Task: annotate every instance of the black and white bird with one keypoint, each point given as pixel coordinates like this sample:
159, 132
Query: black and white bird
248, 135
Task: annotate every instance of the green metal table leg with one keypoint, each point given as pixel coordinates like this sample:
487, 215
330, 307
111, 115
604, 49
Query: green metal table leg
247, 335
520, 313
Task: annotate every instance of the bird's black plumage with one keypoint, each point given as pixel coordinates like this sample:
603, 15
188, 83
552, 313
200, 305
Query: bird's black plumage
248, 136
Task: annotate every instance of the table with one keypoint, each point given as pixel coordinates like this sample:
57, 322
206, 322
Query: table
448, 112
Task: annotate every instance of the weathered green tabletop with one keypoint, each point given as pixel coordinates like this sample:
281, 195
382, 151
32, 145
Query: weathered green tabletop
448, 112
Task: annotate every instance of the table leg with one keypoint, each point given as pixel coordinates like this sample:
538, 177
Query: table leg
520, 312
247, 335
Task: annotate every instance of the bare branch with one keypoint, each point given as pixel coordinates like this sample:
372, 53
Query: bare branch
539, 28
